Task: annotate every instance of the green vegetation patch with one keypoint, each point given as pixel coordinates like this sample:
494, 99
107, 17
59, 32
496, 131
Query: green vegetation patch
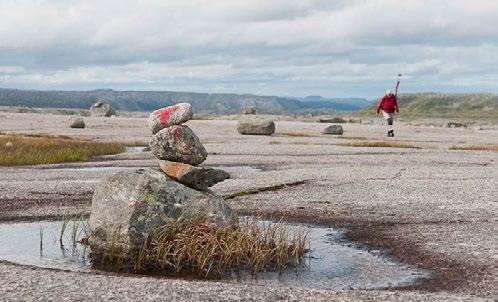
294, 134
493, 148
379, 144
16, 150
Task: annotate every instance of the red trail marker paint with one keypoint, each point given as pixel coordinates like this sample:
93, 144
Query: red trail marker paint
163, 114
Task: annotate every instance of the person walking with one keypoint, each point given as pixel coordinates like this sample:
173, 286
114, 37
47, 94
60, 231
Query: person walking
389, 106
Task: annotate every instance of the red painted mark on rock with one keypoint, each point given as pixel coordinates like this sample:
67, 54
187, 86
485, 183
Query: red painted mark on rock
163, 114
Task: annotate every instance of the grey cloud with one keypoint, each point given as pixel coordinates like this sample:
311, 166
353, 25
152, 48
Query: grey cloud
335, 48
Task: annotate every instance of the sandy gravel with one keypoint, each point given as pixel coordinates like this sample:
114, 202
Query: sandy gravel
431, 207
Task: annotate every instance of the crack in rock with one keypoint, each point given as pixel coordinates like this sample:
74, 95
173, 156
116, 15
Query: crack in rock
265, 189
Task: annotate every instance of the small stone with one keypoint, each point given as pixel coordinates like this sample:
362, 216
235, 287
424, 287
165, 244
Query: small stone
455, 125
178, 143
250, 110
169, 116
101, 109
255, 125
194, 177
76, 122
333, 129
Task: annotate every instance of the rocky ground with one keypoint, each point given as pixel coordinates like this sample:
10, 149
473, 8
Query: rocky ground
431, 207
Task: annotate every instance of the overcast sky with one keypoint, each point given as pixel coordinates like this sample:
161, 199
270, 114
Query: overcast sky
277, 47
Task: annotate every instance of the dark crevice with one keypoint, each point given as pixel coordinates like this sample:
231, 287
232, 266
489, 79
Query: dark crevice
264, 189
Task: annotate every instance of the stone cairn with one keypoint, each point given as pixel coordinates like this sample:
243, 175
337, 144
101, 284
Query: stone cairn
130, 205
179, 149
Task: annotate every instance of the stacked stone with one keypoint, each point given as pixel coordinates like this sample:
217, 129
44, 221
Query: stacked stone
179, 149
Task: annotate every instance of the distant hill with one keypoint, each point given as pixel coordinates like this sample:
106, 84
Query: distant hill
204, 103
345, 104
446, 105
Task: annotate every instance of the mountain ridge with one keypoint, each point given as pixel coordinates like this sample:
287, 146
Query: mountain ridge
204, 103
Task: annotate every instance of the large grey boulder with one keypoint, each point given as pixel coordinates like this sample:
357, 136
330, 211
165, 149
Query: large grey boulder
199, 178
255, 125
76, 122
333, 129
169, 116
129, 205
178, 143
101, 109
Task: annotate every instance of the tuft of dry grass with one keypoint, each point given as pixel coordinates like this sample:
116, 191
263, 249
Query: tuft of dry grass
493, 148
360, 138
198, 248
16, 150
294, 134
379, 144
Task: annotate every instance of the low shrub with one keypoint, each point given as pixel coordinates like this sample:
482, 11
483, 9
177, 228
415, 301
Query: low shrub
476, 148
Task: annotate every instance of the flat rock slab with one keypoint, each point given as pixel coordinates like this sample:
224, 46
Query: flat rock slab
129, 205
178, 143
194, 177
255, 125
333, 129
169, 116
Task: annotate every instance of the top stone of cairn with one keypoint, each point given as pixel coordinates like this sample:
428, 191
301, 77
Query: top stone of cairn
169, 116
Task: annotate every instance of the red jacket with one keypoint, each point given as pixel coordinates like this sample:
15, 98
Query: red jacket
388, 104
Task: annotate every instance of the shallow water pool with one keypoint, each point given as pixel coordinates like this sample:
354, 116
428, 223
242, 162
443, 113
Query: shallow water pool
330, 263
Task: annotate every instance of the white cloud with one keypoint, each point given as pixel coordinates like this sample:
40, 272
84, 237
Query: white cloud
293, 47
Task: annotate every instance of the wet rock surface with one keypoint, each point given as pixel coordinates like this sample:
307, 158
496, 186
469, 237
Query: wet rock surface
178, 143
129, 205
255, 125
199, 178
169, 116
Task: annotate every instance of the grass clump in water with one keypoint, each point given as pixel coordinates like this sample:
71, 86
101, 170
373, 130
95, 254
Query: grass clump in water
379, 144
476, 148
199, 248
16, 150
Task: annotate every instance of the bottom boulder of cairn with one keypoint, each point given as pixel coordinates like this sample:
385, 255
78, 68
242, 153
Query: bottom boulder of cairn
130, 205
194, 177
